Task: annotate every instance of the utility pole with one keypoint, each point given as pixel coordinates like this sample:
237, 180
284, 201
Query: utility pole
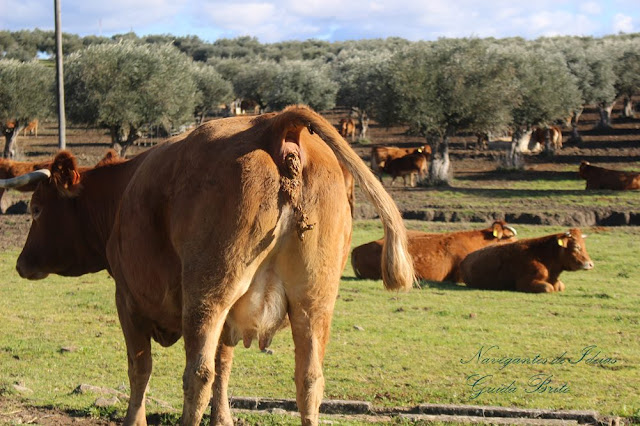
62, 125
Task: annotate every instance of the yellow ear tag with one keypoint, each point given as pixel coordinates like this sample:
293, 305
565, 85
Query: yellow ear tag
562, 243
495, 233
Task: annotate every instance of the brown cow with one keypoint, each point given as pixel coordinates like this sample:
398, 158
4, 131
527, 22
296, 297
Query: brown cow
416, 163
531, 265
10, 169
219, 237
347, 128
381, 154
436, 257
601, 178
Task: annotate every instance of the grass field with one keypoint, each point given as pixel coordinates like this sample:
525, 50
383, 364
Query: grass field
409, 348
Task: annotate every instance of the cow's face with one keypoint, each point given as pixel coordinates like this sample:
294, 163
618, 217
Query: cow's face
54, 243
573, 251
583, 169
502, 232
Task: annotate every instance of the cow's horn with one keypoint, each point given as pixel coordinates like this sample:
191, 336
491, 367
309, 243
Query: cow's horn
25, 179
512, 229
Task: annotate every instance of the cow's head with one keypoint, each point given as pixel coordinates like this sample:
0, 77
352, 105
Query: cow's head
573, 251
502, 232
583, 169
54, 244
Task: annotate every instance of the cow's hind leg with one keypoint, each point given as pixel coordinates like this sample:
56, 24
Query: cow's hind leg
220, 412
138, 343
202, 324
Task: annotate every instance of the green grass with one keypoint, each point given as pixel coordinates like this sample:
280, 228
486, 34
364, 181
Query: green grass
409, 352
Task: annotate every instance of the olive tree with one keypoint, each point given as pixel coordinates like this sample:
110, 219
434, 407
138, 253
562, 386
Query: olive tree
360, 78
213, 90
546, 88
26, 93
255, 80
446, 87
627, 70
126, 86
302, 82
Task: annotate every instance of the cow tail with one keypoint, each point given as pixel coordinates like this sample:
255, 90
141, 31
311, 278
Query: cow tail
397, 266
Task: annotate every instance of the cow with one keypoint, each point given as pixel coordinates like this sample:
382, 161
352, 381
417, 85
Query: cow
539, 139
11, 169
601, 178
31, 128
416, 163
347, 128
224, 235
531, 265
436, 257
381, 154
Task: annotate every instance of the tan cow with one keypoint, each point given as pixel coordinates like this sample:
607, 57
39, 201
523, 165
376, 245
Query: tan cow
219, 237
539, 138
436, 257
31, 128
347, 128
532, 265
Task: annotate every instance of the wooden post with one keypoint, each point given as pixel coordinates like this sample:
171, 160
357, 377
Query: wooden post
60, 81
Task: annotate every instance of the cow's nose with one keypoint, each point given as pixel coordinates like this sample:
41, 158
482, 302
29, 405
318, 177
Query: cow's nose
588, 265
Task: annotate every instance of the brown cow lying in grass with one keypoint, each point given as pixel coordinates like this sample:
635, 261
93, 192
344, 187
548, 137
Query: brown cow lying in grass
416, 163
436, 257
601, 178
531, 265
381, 154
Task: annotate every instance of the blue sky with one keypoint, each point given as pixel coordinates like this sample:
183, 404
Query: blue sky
278, 20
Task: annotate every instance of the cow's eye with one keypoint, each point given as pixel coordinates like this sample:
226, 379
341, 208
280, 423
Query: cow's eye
35, 212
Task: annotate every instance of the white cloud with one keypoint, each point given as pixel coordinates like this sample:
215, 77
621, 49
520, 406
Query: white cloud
622, 23
591, 8
276, 20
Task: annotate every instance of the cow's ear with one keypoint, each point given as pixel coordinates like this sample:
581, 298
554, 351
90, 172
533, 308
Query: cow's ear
64, 174
497, 230
563, 240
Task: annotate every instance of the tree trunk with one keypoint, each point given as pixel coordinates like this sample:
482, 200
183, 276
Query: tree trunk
575, 137
132, 136
628, 111
364, 124
440, 167
605, 115
11, 140
549, 149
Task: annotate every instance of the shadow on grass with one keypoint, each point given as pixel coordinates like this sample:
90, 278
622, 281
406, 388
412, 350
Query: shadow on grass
443, 285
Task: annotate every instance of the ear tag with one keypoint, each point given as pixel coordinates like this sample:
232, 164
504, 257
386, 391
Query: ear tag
562, 243
495, 233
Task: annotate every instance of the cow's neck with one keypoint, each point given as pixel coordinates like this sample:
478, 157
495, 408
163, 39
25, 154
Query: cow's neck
548, 252
98, 203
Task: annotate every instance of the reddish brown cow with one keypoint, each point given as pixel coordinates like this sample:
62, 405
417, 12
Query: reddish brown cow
416, 163
531, 265
10, 169
436, 257
601, 178
381, 154
219, 237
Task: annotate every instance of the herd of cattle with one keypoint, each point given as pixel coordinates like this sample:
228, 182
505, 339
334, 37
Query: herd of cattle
262, 245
